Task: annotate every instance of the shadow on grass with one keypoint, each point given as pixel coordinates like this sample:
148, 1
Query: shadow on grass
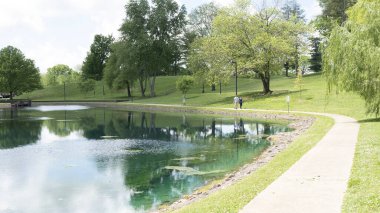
258, 95
372, 120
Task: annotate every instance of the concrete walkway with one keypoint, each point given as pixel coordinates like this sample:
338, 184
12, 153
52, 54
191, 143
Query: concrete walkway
318, 181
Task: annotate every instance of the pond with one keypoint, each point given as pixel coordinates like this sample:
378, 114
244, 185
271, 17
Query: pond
79, 159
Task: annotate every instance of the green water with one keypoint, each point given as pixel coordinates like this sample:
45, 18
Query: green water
73, 159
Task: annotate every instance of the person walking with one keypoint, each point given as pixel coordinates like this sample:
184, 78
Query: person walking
241, 102
236, 102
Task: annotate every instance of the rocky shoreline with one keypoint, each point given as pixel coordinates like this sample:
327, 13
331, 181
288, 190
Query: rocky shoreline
279, 143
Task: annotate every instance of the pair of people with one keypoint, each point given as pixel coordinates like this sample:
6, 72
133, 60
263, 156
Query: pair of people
238, 101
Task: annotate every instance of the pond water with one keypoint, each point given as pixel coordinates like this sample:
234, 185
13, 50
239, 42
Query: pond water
76, 159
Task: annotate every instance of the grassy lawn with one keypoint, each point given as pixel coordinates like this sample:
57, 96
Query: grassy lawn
364, 187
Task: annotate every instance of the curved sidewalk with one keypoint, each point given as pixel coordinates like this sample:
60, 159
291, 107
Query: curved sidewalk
318, 181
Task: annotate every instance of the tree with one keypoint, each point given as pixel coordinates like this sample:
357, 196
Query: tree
350, 60
120, 72
93, 65
59, 74
87, 85
17, 73
166, 26
155, 34
135, 34
184, 84
258, 42
201, 18
333, 13
293, 12
200, 23
316, 54
209, 64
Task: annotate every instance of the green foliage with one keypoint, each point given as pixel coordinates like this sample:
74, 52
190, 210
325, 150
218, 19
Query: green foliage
59, 74
333, 13
120, 70
154, 34
93, 65
17, 73
87, 85
298, 83
201, 18
316, 54
292, 10
259, 43
350, 60
184, 84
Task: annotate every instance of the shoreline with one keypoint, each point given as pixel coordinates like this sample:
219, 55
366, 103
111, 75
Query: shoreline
279, 142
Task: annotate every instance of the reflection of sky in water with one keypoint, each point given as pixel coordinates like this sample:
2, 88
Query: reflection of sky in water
67, 165
59, 178
59, 108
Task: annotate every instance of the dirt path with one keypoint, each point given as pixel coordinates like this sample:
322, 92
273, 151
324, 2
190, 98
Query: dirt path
318, 181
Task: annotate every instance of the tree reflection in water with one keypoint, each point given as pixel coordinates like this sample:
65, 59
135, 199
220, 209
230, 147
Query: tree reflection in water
202, 148
17, 130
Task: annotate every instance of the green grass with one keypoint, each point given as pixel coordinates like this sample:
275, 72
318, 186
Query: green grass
235, 197
364, 187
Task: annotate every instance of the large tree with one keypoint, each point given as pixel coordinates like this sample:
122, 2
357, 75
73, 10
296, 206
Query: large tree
120, 72
316, 54
59, 74
93, 65
293, 12
135, 35
166, 26
17, 73
154, 34
258, 42
201, 18
351, 58
200, 24
333, 13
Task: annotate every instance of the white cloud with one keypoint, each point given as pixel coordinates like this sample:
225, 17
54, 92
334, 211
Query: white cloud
53, 31
56, 31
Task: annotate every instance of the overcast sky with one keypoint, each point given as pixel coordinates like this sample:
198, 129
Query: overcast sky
61, 31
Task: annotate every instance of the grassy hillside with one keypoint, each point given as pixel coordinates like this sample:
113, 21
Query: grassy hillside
362, 194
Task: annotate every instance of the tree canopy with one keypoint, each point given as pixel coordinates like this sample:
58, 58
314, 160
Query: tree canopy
154, 35
17, 73
259, 42
59, 74
333, 13
94, 64
350, 60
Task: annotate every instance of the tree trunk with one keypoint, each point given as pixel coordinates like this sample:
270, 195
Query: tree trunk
129, 89
213, 88
142, 86
286, 69
152, 82
296, 63
203, 88
220, 87
265, 79
11, 96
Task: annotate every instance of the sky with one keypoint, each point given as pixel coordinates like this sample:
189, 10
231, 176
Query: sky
54, 32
